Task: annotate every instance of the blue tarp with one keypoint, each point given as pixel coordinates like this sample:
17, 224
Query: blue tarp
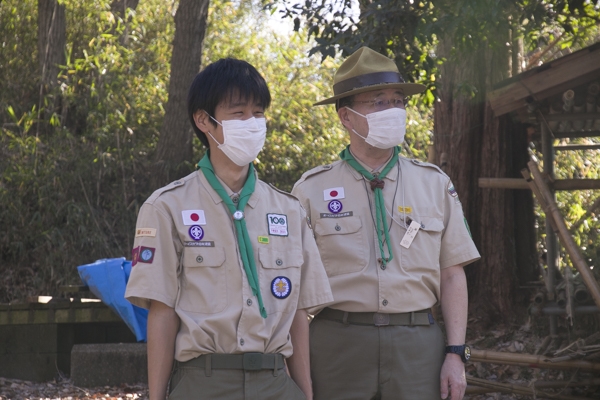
107, 279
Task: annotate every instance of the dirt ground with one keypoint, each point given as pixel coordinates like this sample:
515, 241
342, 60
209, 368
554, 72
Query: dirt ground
527, 337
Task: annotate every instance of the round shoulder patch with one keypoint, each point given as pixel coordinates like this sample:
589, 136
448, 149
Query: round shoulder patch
281, 287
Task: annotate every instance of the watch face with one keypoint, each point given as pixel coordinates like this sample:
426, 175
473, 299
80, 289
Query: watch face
467, 353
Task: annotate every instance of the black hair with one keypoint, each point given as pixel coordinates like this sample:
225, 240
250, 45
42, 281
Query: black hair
221, 81
344, 102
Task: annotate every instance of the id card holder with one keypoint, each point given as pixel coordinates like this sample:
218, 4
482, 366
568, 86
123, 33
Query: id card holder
410, 234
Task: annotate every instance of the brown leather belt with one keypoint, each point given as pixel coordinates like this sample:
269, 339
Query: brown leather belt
415, 318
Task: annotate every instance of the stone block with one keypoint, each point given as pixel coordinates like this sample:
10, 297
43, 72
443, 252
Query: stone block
108, 364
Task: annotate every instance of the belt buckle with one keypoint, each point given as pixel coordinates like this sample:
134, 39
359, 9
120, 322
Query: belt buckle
252, 361
380, 319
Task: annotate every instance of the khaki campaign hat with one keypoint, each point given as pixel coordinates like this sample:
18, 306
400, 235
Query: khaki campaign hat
367, 70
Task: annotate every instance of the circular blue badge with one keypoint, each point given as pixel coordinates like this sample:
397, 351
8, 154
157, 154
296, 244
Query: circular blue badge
281, 287
335, 206
196, 232
146, 254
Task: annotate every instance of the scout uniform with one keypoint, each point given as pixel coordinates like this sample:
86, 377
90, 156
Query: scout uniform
186, 255
380, 318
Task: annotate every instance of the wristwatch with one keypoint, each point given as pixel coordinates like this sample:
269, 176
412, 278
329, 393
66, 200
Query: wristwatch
463, 351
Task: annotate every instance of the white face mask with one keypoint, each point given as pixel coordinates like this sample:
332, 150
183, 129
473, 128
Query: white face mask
386, 128
242, 139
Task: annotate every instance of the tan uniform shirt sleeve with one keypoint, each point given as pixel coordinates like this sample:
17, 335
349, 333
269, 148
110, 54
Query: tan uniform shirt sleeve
457, 247
156, 278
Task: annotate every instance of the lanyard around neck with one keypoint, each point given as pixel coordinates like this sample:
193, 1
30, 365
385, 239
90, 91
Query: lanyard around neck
377, 185
237, 213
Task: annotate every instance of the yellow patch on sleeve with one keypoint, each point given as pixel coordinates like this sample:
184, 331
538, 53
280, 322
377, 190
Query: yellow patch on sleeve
148, 232
263, 240
405, 209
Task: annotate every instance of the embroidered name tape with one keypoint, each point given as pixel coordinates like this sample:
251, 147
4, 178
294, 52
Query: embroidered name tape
277, 224
145, 232
193, 217
333, 193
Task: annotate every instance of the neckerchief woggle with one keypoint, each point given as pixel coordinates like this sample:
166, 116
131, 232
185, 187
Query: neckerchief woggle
377, 185
239, 221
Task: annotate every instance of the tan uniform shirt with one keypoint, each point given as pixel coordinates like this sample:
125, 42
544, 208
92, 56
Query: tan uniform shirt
186, 256
341, 207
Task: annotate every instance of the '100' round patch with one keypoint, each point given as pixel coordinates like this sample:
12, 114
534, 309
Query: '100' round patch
281, 287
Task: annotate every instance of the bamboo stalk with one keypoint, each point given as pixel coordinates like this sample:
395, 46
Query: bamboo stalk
559, 184
529, 360
519, 389
565, 236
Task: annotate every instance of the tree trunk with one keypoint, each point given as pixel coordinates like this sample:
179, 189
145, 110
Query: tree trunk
119, 8
174, 148
474, 143
51, 55
51, 40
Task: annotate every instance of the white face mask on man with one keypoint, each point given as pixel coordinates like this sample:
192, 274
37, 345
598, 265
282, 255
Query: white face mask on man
242, 139
386, 128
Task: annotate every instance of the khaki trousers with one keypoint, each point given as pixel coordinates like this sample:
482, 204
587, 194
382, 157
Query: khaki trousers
357, 362
191, 383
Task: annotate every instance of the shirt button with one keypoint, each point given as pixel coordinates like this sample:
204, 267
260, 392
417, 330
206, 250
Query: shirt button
249, 302
199, 259
385, 302
279, 262
242, 342
383, 266
235, 199
338, 228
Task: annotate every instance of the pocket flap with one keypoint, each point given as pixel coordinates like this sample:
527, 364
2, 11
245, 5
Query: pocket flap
275, 259
432, 224
337, 226
207, 257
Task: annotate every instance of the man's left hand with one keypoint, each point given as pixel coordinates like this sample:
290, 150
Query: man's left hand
452, 378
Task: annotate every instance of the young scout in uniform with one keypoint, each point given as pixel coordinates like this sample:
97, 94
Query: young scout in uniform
227, 264
393, 240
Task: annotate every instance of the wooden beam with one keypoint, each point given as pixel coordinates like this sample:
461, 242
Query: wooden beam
571, 116
529, 360
576, 69
576, 134
569, 147
559, 184
565, 236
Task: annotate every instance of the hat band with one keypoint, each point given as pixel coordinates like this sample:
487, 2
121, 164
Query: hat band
360, 81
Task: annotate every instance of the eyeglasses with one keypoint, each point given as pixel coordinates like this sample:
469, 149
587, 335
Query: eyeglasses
383, 104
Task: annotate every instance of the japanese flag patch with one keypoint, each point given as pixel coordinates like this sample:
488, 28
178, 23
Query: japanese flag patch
335, 193
193, 217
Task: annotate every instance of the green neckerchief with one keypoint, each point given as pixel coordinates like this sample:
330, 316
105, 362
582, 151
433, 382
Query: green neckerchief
237, 214
376, 185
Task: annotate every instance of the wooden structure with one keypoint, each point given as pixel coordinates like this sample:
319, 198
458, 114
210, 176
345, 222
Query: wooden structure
560, 99
36, 338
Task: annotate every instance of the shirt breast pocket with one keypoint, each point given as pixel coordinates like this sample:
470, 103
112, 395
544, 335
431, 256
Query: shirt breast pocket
424, 251
342, 245
279, 277
203, 282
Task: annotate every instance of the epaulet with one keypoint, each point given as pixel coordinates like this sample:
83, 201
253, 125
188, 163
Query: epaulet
282, 191
170, 186
426, 164
314, 171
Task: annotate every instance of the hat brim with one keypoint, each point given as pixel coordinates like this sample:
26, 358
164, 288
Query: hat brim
407, 88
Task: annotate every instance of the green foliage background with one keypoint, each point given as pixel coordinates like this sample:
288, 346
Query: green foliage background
70, 195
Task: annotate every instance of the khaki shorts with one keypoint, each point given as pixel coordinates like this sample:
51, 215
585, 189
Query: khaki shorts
191, 383
358, 362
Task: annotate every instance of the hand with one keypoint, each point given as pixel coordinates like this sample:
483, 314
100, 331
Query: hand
452, 378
